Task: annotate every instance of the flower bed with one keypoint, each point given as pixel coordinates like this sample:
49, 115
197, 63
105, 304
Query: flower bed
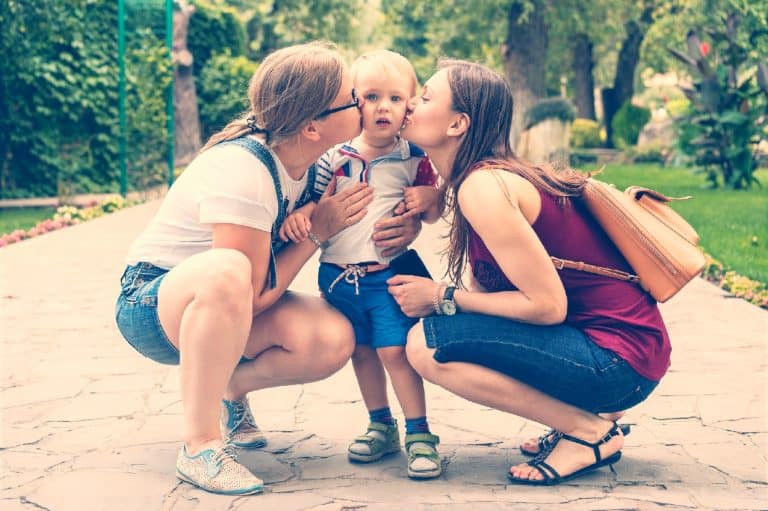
66, 216
750, 290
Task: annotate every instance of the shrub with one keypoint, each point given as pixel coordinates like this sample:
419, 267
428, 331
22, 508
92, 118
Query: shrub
549, 108
59, 96
652, 153
222, 91
728, 100
578, 159
628, 123
212, 30
585, 134
677, 107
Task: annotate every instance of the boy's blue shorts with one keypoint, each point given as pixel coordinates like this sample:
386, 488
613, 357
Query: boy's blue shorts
374, 314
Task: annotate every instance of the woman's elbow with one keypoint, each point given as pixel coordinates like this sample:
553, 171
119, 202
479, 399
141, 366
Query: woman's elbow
554, 312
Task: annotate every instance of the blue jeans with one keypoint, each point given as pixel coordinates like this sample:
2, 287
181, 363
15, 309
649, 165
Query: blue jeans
559, 360
375, 316
136, 313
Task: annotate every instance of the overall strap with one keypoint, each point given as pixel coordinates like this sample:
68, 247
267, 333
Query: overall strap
263, 155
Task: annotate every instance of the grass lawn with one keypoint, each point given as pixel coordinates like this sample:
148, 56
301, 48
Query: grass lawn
726, 220
22, 218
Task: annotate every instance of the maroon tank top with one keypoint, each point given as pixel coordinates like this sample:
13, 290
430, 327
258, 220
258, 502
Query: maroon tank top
615, 314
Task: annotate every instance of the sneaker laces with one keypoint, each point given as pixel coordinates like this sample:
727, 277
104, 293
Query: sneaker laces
242, 414
225, 454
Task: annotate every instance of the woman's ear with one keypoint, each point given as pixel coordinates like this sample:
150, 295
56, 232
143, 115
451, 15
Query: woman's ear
459, 125
311, 131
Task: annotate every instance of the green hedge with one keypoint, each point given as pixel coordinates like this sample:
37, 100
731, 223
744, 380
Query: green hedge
212, 30
585, 134
59, 97
222, 91
628, 123
549, 108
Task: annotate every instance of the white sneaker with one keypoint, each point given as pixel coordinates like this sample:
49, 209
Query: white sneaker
239, 426
217, 470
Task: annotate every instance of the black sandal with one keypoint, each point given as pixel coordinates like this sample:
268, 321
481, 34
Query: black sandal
548, 440
550, 475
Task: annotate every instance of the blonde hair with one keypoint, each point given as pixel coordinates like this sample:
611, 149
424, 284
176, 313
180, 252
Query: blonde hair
291, 87
387, 63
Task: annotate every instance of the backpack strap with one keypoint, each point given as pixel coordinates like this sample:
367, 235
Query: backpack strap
561, 264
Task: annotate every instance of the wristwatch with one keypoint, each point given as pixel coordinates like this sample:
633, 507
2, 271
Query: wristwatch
447, 304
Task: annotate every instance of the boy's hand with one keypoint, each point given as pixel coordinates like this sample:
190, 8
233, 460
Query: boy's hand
295, 227
418, 199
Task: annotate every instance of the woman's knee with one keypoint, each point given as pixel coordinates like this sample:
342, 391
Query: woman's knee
227, 280
333, 341
419, 355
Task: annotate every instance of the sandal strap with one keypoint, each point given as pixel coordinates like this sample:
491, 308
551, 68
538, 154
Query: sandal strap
548, 440
379, 426
427, 438
614, 431
550, 473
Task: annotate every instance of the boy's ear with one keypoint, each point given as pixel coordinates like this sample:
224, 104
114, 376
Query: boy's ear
311, 131
459, 125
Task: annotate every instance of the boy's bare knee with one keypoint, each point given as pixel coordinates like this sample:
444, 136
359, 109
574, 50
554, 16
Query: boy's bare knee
392, 356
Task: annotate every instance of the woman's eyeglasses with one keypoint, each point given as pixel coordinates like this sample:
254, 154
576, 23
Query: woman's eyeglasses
355, 102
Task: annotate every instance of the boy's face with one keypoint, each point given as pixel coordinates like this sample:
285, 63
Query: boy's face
384, 97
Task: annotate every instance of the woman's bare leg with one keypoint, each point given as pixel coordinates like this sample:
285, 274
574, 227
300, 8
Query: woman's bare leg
205, 308
300, 339
490, 388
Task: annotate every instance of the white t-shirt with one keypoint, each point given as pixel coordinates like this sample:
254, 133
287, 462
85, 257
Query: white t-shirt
223, 185
407, 165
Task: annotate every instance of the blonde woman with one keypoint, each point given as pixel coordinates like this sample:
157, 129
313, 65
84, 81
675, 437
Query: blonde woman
206, 282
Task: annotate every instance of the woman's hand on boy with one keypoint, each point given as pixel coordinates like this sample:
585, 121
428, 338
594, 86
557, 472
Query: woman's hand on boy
416, 296
335, 211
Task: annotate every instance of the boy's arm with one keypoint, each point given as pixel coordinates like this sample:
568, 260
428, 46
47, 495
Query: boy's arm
426, 188
434, 197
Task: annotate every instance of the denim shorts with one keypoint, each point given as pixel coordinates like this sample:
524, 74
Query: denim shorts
136, 313
559, 360
375, 316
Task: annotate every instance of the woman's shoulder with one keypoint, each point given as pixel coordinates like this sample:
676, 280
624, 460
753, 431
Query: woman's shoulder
490, 181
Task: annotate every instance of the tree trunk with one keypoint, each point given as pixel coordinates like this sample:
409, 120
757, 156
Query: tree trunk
185, 115
524, 55
583, 82
624, 80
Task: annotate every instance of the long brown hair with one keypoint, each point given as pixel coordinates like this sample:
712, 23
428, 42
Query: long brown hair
486, 98
291, 87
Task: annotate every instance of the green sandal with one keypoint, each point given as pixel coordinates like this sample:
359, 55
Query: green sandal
378, 441
423, 459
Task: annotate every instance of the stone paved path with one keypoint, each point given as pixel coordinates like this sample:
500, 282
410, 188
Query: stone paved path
87, 424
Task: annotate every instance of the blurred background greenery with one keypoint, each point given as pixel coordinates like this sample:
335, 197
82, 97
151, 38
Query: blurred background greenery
672, 93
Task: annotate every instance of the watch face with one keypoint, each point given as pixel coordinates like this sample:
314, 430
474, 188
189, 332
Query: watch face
448, 308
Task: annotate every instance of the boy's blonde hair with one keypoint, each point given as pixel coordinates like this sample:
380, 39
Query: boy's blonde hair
291, 87
386, 62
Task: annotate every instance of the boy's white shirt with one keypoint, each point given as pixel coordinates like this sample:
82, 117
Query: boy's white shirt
388, 175
224, 184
